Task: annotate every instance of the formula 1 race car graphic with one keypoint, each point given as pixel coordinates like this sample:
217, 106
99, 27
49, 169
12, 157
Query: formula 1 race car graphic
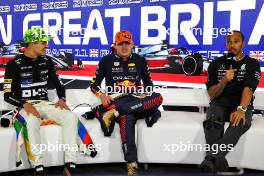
64, 61
9, 52
162, 58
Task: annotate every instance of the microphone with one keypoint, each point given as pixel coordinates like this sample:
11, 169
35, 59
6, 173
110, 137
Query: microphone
5, 122
230, 61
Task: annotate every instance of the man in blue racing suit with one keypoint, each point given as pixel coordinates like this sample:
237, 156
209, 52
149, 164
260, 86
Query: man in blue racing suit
123, 73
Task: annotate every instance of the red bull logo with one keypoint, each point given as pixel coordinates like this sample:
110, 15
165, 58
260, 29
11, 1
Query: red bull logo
126, 83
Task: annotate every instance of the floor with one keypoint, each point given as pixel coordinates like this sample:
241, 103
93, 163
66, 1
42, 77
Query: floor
118, 169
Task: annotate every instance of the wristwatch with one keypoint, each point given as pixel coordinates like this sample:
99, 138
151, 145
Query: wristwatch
242, 108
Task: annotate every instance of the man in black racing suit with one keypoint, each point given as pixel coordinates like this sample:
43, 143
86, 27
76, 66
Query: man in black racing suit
25, 86
232, 80
123, 73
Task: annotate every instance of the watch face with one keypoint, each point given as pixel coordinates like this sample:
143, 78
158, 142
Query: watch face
243, 108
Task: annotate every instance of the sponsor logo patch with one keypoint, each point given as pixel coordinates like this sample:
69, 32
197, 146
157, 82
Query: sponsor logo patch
7, 86
131, 64
116, 64
7, 90
7, 81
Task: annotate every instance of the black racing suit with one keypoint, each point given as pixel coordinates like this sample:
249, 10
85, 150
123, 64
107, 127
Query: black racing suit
247, 75
27, 79
125, 76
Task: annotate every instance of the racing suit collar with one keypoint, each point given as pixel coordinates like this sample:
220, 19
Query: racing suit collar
29, 58
242, 57
123, 59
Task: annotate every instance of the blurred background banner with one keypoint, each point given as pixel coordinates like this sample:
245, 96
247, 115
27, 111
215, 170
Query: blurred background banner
179, 38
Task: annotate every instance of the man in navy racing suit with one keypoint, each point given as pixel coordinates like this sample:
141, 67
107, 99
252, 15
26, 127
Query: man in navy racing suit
123, 73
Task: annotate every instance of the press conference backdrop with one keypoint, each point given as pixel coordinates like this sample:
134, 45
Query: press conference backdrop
86, 28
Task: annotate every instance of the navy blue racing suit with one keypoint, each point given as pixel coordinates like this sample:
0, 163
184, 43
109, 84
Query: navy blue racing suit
125, 76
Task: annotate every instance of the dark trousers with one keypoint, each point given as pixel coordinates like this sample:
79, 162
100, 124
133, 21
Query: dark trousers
214, 128
132, 109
